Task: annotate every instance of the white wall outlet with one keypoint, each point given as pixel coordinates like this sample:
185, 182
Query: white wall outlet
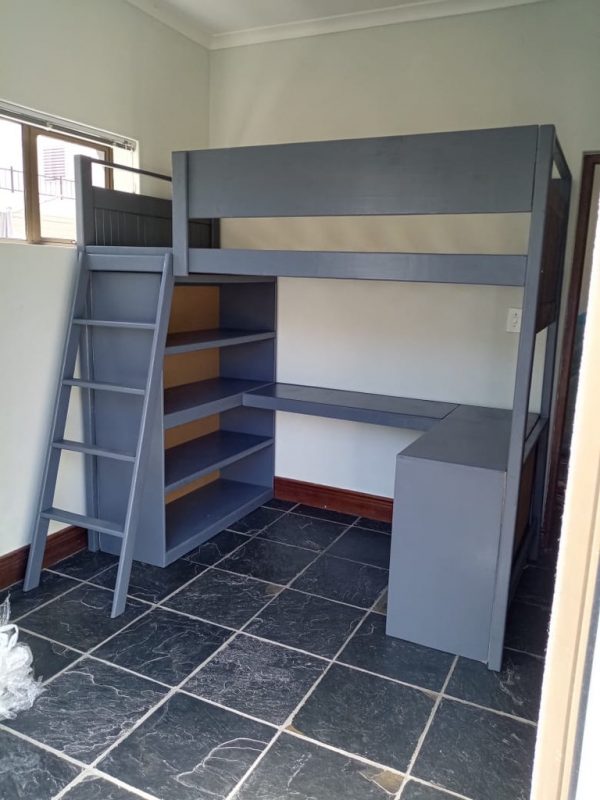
513, 320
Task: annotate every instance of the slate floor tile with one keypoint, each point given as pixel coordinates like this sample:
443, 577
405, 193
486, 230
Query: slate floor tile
368, 547
346, 581
282, 505
527, 628
374, 525
313, 534
81, 618
536, 586
153, 584
257, 678
84, 710
366, 715
294, 768
163, 645
48, 657
93, 788
477, 753
28, 772
325, 513
188, 750
371, 649
51, 586
418, 791
216, 548
268, 561
307, 622
256, 520
223, 598
85, 564
515, 690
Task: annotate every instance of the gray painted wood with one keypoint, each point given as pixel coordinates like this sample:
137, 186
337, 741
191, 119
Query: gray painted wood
187, 342
445, 535
398, 412
83, 521
487, 171
191, 460
93, 450
57, 431
194, 518
494, 270
181, 215
543, 175
203, 398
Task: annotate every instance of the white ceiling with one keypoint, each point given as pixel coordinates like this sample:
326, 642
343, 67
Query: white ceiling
230, 23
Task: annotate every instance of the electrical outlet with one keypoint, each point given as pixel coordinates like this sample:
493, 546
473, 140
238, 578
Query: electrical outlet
513, 320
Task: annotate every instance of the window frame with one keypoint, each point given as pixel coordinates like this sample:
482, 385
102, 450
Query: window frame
31, 196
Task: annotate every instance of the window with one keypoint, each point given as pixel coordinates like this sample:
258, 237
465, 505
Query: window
37, 180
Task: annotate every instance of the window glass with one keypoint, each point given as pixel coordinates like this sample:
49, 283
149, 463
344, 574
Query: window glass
12, 194
56, 182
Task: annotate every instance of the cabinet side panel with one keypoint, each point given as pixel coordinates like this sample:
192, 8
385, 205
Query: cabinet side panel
443, 560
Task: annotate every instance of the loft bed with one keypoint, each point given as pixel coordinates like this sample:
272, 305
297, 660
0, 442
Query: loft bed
469, 492
494, 460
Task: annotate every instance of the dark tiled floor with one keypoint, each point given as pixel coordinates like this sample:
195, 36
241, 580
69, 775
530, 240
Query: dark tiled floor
260, 662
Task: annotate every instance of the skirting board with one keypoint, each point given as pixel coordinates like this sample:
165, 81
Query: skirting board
345, 500
60, 545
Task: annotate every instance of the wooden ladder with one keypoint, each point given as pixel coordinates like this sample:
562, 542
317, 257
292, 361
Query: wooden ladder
78, 342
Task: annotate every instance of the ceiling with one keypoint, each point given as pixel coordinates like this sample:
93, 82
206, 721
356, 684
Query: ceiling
230, 23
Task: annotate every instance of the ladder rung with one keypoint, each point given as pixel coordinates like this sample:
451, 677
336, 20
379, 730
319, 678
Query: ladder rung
111, 323
93, 450
101, 525
106, 387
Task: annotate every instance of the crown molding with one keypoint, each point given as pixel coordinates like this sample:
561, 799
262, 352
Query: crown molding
391, 15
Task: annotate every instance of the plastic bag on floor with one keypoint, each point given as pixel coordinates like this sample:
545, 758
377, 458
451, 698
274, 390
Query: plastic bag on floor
18, 687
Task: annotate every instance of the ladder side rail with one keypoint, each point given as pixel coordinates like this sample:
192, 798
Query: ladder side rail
151, 396
525, 355
86, 356
56, 431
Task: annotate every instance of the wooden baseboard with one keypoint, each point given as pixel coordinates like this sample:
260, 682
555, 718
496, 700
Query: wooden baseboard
313, 494
60, 545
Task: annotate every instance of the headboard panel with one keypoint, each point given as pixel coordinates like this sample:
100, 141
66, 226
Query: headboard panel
464, 172
112, 218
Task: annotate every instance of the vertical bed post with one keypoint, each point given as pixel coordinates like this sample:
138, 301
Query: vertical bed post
180, 215
541, 187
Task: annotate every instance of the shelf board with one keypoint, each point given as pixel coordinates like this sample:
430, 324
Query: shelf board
201, 399
197, 516
376, 409
203, 340
191, 460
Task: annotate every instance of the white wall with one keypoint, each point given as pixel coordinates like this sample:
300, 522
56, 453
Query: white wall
522, 65
108, 65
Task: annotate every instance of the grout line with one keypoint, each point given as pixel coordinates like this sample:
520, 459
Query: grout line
524, 720
291, 716
42, 746
440, 789
425, 731
425, 689
95, 773
525, 653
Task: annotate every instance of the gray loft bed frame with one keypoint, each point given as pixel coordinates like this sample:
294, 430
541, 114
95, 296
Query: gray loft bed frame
465, 491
